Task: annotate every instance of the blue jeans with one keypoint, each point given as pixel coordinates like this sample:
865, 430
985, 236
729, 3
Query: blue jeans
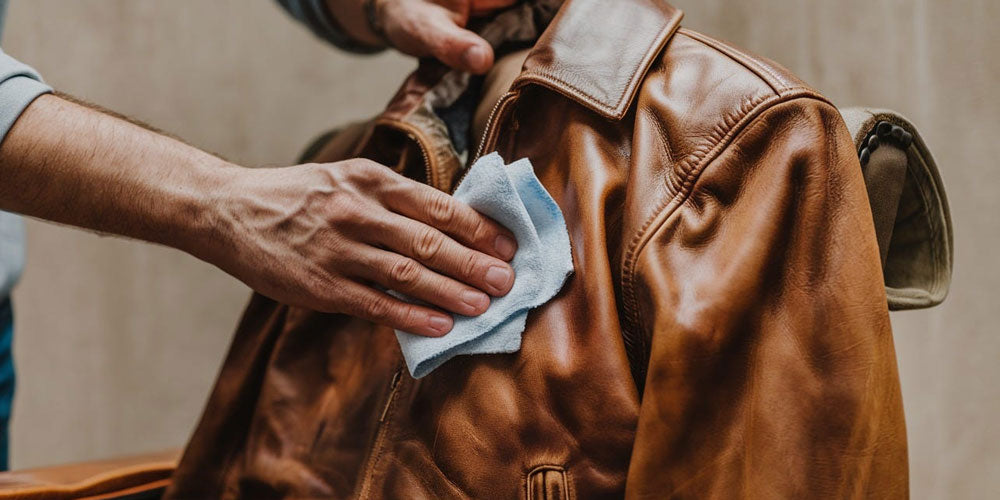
6, 376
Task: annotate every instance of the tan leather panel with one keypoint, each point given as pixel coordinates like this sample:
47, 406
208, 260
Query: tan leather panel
760, 295
96, 478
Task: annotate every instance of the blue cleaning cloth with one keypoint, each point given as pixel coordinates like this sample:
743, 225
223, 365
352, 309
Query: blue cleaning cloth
512, 196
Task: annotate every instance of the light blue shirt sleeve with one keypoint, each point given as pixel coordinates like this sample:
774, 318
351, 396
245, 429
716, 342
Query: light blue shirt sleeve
315, 15
11, 251
19, 85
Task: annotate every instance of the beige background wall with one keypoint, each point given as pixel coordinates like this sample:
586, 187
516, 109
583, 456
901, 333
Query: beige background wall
118, 342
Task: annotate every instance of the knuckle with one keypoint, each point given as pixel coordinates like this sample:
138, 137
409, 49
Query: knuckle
367, 174
411, 316
376, 307
441, 209
404, 271
480, 230
427, 244
331, 300
331, 303
360, 164
449, 290
339, 202
470, 264
332, 174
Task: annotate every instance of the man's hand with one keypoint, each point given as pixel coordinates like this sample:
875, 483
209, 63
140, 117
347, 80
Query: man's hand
425, 28
319, 236
326, 236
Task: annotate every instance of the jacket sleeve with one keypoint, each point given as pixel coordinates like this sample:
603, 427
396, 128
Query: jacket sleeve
771, 368
316, 16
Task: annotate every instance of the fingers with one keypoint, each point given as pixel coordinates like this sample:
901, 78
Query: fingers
455, 46
406, 275
378, 307
435, 250
483, 7
445, 213
426, 28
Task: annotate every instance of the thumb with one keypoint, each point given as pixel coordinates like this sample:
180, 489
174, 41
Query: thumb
455, 46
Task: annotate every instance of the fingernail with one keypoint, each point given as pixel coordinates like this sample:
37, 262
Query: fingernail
505, 246
477, 301
474, 57
499, 278
440, 324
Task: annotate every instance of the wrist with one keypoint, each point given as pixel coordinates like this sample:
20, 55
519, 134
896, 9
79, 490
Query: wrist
359, 20
203, 221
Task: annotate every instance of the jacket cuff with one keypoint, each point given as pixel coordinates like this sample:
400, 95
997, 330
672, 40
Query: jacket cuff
316, 16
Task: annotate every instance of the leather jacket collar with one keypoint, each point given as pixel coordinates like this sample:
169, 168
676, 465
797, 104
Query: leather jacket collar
604, 77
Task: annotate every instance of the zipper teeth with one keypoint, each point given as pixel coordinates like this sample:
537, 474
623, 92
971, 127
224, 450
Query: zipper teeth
491, 124
375, 450
427, 167
490, 127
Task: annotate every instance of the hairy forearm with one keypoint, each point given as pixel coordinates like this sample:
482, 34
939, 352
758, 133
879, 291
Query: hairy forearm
312, 235
68, 163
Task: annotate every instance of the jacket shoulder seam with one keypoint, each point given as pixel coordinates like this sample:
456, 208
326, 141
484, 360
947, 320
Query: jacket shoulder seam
777, 83
698, 161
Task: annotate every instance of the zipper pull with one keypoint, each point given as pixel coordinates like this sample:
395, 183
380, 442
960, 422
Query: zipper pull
392, 394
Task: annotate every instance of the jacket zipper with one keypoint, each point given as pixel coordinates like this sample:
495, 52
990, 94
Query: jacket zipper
392, 394
492, 123
376, 449
487, 140
428, 170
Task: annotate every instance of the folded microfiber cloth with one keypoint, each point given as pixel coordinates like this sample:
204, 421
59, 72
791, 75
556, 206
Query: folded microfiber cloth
512, 196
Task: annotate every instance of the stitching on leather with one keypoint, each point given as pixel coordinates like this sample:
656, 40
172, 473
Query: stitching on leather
662, 213
369, 477
435, 165
737, 57
633, 339
663, 138
743, 59
545, 77
381, 434
666, 32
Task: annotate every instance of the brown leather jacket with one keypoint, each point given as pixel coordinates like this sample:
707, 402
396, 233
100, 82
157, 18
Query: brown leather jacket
725, 333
